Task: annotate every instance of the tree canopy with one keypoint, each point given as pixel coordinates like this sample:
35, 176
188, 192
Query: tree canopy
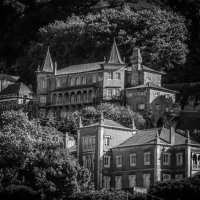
32, 155
161, 34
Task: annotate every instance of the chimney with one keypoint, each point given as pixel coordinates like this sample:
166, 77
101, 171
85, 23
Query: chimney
157, 137
102, 119
187, 141
55, 68
172, 135
80, 122
66, 140
136, 59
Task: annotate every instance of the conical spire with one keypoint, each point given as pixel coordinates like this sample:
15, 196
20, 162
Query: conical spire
48, 64
136, 58
114, 55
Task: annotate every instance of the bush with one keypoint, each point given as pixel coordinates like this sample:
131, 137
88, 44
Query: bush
173, 190
106, 195
19, 192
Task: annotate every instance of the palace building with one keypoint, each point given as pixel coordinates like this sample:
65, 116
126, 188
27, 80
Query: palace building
126, 158
131, 84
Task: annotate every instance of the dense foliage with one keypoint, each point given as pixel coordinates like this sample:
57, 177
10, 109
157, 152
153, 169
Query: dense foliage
106, 195
161, 33
32, 155
21, 20
172, 190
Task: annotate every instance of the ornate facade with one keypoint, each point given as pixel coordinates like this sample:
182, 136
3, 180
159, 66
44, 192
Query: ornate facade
130, 84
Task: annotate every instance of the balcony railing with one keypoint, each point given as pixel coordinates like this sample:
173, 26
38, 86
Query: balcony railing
73, 102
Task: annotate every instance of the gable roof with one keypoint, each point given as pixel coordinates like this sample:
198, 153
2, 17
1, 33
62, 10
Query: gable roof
9, 77
115, 57
148, 136
109, 123
48, 64
153, 86
15, 89
152, 70
80, 68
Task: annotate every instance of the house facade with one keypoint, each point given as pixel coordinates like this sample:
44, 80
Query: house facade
124, 158
73, 87
17, 96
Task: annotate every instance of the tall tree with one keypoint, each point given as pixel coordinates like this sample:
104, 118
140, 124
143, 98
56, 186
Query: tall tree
32, 155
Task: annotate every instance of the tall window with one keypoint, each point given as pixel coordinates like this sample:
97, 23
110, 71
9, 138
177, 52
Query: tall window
42, 99
107, 141
147, 158
179, 159
72, 81
118, 182
77, 80
110, 76
166, 158
83, 80
106, 181
94, 78
141, 106
117, 92
133, 160
118, 161
106, 161
43, 83
132, 181
146, 180
117, 76
109, 93
166, 177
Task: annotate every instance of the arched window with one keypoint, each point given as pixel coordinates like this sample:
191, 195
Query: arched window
71, 80
90, 95
77, 80
78, 97
72, 98
66, 98
84, 96
54, 99
60, 98
83, 80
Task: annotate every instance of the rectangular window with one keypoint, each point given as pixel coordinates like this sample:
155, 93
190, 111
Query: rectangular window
110, 76
117, 92
117, 76
141, 106
42, 99
107, 141
166, 158
146, 180
118, 161
132, 181
109, 93
178, 177
166, 177
133, 160
118, 182
94, 78
179, 159
106, 161
147, 158
106, 180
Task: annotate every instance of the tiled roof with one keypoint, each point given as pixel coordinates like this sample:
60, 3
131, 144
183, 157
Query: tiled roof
15, 89
80, 68
152, 70
153, 86
115, 57
111, 123
9, 77
148, 136
48, 64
